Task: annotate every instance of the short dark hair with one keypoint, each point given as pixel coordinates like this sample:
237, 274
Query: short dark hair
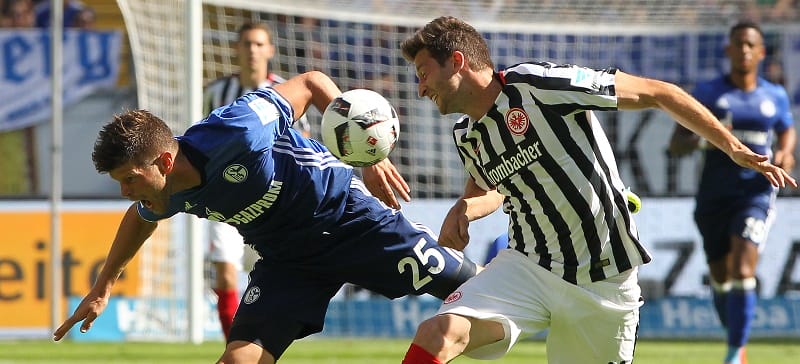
745, 24
253, 26
134, 136
445, 35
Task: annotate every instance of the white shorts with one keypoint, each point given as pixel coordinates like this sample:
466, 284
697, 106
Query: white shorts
592, 323
226, 245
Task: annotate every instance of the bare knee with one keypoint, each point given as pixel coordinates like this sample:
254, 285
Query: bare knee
444, 336
243, 352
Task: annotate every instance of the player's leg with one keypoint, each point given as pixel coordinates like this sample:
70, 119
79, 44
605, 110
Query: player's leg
720, 283
245, 352
489, 313
749, 232
600, 318
443, 337
281, 304
226, 252
715, 230
227, 294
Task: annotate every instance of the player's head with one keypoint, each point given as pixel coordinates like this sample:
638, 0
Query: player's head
445, 35
136, 137
254, 47
443, 51
745, 49
137, 149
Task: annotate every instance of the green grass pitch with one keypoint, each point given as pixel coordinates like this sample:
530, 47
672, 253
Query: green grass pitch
363, 351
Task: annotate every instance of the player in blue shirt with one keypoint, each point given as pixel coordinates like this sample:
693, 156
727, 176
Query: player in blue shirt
313, 223
735, 205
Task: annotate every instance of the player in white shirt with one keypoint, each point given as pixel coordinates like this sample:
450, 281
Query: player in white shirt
531, 142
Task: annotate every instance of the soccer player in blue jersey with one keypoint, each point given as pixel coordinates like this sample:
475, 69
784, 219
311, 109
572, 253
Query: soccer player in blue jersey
313, 223
734, 217
254, 50
530, 140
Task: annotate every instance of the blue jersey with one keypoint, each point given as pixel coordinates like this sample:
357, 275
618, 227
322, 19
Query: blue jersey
260, 175
755, 116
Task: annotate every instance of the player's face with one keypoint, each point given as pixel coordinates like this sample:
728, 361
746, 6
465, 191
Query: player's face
255, 50
146, 184
436, 82
745, 50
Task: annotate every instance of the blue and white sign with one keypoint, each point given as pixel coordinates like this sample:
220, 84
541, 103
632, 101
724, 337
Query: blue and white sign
91, 63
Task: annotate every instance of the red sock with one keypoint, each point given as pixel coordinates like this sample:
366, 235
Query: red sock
227, 303
417, 355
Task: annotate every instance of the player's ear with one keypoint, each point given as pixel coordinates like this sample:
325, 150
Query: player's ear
762, 52
166, 162
459, 60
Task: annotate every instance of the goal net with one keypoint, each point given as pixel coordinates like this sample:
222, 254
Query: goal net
356, 43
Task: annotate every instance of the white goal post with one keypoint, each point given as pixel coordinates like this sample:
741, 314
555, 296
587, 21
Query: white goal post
356, 42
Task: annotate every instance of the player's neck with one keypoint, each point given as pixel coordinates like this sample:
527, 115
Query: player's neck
252, 79
485, 91
184, 174
745, 81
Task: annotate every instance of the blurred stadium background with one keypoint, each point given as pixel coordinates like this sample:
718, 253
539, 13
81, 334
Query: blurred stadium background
144, 47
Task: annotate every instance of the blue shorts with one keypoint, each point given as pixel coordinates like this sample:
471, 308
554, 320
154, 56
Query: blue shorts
373, 246
749, 220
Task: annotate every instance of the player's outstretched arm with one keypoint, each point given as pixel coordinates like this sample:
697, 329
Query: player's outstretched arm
639, 93
132, 233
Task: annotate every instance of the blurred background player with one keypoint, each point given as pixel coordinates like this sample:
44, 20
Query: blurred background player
734, 205
72, 11
254, 50
17, 14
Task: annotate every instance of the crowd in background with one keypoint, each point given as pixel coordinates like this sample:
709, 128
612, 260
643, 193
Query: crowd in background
36, 14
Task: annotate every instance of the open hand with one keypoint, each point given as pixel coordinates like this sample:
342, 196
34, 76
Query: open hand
382, 179
87, 311
777, 176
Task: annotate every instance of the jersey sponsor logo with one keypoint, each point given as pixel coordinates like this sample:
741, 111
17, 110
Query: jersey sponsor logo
510, 162
251, 295
235, 173
257, 208
517, 121
188, 206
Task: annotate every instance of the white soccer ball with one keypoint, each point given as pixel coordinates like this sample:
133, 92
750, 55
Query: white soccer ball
360, 127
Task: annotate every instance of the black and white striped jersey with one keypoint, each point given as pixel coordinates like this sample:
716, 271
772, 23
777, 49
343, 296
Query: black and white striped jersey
224, 90
542, 147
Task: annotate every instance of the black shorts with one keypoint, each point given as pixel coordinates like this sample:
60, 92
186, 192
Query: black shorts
380, 251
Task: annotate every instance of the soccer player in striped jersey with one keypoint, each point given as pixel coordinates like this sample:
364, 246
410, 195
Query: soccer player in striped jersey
734, 217
531, 142
254, 50
312, 221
